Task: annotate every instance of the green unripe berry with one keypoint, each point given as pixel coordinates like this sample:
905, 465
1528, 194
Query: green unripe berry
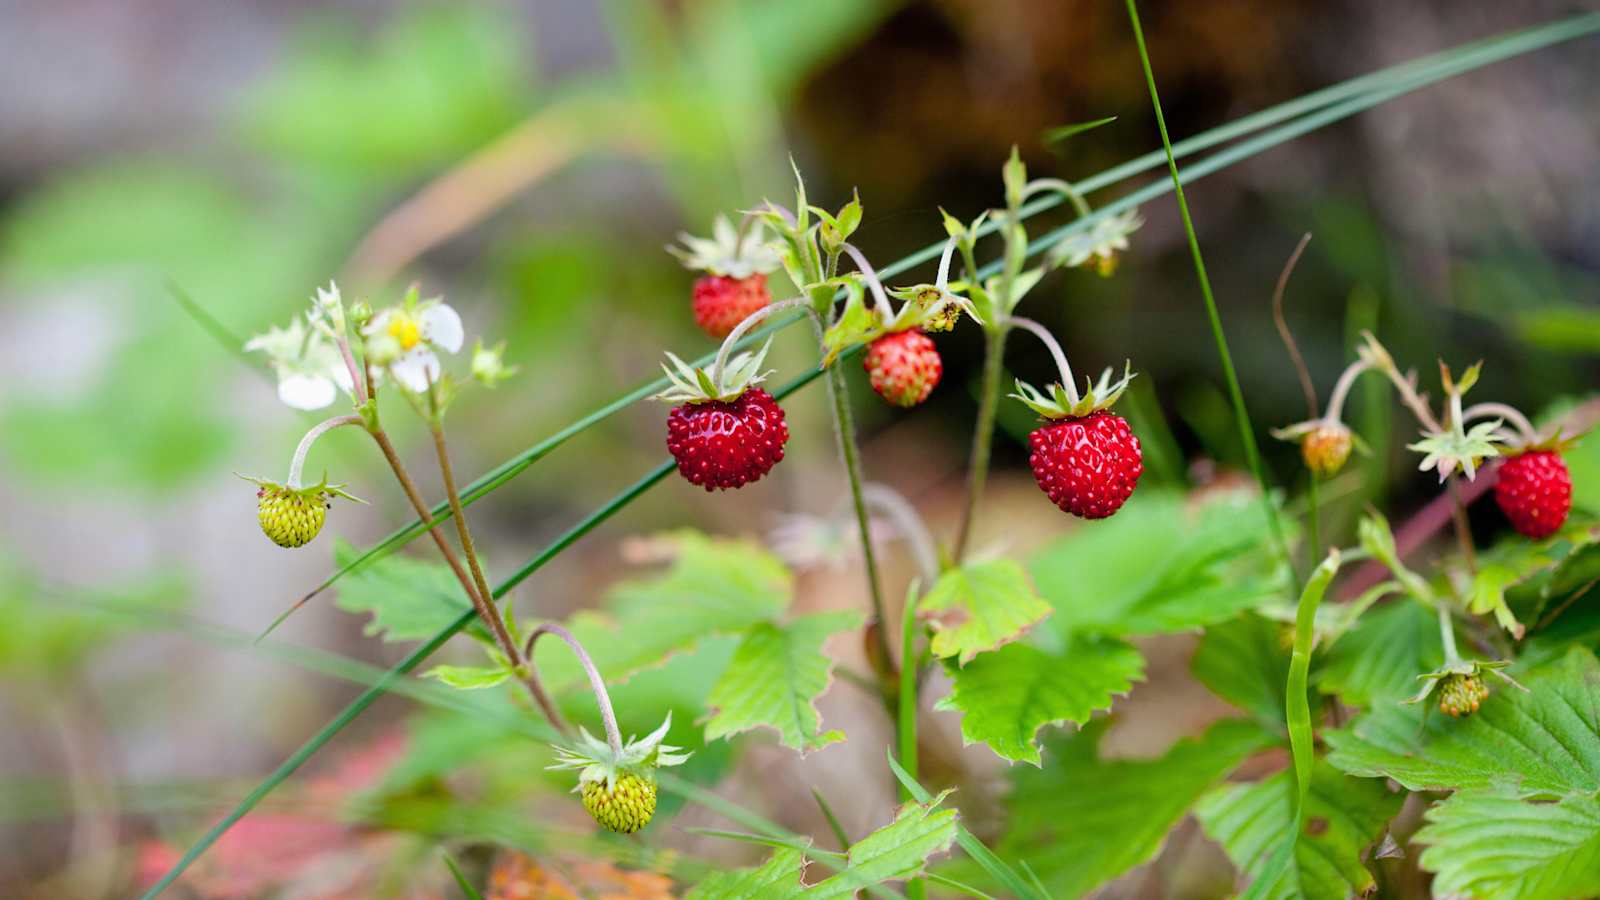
291, 518
625, 806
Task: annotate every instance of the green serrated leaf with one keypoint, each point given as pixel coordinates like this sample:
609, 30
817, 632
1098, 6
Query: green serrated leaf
896, 851
1378, 661
1542, 743
1496, 845
408, 599
1246, 662
777, 878
980, 606
1006, 696
713, 586
1081, 821
1343, 817
469, 678
775, 678
1159, 566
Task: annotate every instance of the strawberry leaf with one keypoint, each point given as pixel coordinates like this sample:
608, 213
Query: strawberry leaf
775, 678
1344, 816
980, 606
1246, 663
778, 877
1544, 742
1496, 845
1006, 696
408, 599
1378, 661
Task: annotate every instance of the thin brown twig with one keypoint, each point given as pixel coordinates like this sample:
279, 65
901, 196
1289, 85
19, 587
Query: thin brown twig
1283, 326
1554, 614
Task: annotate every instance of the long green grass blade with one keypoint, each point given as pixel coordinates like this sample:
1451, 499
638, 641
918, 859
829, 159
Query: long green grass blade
1335, 102
1415, 75
467, 890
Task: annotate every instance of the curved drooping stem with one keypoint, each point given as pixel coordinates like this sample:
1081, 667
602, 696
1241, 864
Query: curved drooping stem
1406, 385
1043, 334
751, 321
297, 464
1341, 389
596, 683
879, 297
1447, 636
905, 518
1282, 323
1502, 411
1060, 186
357, 384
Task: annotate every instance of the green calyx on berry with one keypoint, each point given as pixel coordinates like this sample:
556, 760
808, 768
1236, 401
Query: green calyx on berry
618, 785
694, 384
1064, 401
932, 307
1461, 685
292, 517
729, 252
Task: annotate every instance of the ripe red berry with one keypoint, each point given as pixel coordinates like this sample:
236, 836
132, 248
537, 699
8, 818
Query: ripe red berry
1088, 465
727, 444
903, 367
1535, 492
722, 302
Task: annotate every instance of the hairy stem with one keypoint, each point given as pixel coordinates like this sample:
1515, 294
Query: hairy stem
749, 322
496, 623
1056, 353
297, 465
1341, 389
845, 427
913, 530
1458, 512
597, 684
994, 347
1447, 636
1503, 411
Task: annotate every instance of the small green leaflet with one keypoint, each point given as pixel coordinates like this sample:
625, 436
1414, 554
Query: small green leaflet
894, 852
1006, 696
1159, 566
1246, 663
409, 600
1494, 845
1378, 661
1344, 816
1543, 743
1081, 821
774, 679
980, 606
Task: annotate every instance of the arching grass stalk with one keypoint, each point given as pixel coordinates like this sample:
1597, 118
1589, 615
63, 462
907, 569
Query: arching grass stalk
1235, 393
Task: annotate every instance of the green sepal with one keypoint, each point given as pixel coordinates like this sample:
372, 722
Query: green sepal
856, 324
1466, 668
696, 384
598, 762
1065, 402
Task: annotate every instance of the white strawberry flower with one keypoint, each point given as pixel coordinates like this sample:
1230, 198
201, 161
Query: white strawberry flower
310, 370
327, 309
407, 339
1099, 243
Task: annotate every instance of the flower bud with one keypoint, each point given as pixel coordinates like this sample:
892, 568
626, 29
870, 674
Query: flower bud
1325, 448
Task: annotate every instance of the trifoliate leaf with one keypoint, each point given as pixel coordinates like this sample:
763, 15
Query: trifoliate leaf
1544, 742
775, 678
711, 587
1496, 845
1246, 662
1159, 566
1344, 816
777, 878
1006, 696
980, 606
1379, 660
1081, 821
894, 852
408, 599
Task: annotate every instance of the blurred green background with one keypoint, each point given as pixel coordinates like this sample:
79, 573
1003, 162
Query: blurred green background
528, 161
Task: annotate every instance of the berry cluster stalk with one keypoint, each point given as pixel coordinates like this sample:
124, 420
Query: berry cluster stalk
994, 345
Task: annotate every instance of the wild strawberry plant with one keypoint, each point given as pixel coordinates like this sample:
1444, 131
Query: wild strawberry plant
1368, 679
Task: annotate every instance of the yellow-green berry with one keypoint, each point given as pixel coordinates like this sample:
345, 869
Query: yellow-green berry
291, 518
1460, 695
1325, 448
625, 805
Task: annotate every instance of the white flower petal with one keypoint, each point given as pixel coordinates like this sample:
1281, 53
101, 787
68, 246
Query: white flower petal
328, 297
441, 327
306, 391
379, 323
416, 370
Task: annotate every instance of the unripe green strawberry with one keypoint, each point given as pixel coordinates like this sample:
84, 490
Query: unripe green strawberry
1460, 695
625, 805
1325, 448
291, 518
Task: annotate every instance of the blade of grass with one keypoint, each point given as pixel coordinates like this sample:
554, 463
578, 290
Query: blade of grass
1236, 394
1376, 86
969, 842
470, 892
1483, 54
833, 820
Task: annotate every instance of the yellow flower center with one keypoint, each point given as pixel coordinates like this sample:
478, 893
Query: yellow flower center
405, 330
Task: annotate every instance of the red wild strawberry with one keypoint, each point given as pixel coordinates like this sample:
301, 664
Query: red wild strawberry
722, 302
1535, 492
727, 444
1087, 465
903, 367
